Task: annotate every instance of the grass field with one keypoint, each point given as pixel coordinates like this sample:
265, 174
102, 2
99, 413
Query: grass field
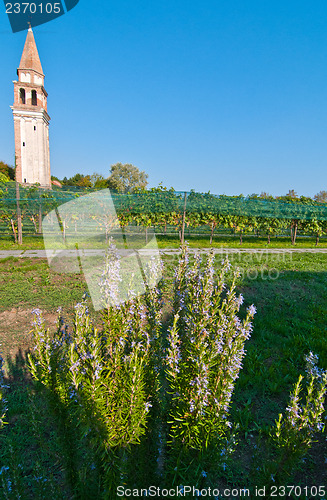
290, 293
172, 241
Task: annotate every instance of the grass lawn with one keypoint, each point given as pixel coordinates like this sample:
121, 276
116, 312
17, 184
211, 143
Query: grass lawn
290, 293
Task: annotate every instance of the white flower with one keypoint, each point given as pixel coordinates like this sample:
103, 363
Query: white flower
252, 310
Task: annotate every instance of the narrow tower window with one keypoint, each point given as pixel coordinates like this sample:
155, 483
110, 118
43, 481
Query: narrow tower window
34, 98
22, 96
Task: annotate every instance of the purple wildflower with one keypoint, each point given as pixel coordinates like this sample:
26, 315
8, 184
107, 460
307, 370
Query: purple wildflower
36, 311
239, 301
252, 310
147, 406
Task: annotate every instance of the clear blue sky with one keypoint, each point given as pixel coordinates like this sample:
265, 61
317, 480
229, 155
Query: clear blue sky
226, 96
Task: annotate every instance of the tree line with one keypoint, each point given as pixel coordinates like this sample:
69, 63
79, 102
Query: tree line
127, 178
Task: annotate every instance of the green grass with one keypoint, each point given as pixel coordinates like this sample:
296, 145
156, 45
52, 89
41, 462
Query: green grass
29, 243
172, 241
249, 241
30, 283
290, 321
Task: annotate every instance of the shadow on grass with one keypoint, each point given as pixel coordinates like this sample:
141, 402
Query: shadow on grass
31, 454
46, 452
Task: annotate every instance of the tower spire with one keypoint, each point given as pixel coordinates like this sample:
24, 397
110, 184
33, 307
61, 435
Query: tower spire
30, 58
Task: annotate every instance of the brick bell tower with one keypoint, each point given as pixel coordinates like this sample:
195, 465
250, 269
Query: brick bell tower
31, 119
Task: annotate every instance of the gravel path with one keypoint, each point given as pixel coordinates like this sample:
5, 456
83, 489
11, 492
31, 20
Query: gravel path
42, 254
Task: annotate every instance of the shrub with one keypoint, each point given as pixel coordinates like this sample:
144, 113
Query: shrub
135, 389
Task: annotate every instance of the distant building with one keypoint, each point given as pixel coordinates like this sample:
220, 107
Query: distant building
31, 119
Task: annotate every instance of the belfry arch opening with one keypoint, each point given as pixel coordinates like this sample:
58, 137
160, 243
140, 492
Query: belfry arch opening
22, 96
34, 98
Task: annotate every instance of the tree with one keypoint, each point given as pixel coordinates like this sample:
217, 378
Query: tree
4, 177
7, 171
266, 196
126, 178
85, 181
291, 194
98, 181
321, 197
78, 180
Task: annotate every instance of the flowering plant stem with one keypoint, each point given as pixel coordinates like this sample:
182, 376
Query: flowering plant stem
295, 431
204, 356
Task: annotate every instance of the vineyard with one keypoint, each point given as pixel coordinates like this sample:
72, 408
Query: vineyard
168, 212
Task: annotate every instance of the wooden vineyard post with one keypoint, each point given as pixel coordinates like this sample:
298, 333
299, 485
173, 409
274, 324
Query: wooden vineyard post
19, 217
184, 213
33, 220
14, 230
